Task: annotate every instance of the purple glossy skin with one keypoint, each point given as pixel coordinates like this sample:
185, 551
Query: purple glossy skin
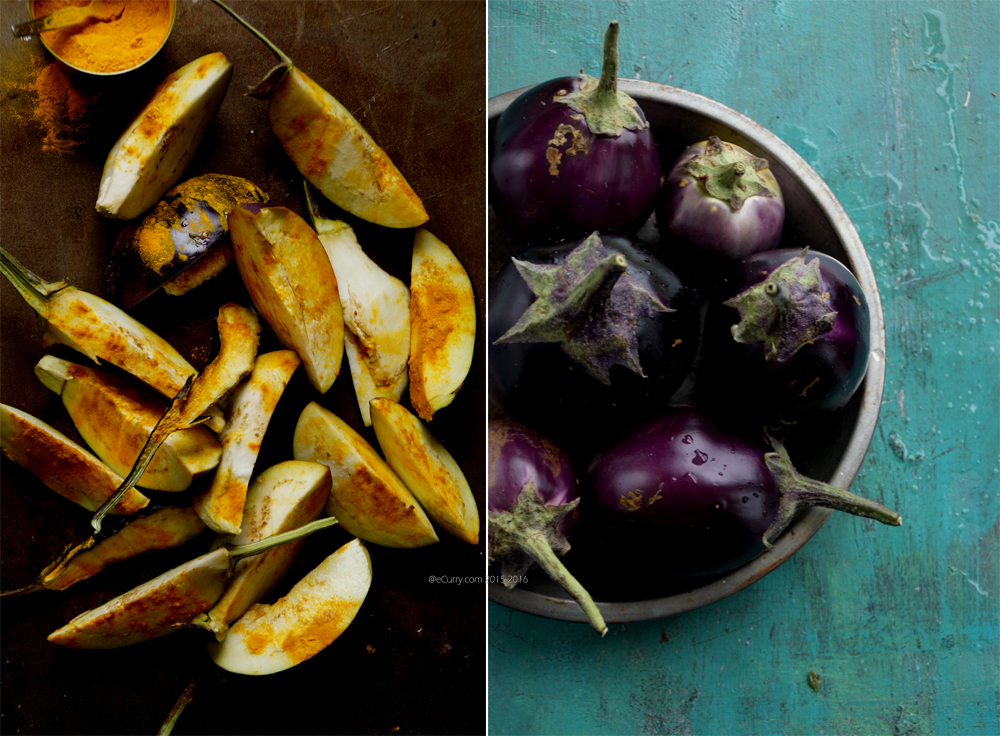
539, 385
696, 220
823, 374
611, 188
683, 497
518, 454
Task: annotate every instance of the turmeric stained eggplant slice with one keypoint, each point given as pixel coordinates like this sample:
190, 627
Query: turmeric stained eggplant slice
282, 498
427, 469
116, 419
239, 335
99, 329
369, 499
250, 409
61, 464
269, 639
182, 242
159, 528
330, 148
376, 310
442, 325
292, 284
168, 602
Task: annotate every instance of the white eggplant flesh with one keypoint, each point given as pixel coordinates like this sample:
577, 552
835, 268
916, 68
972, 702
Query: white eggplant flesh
151, 155
282, 498
366, 497
376, 308
442, 325
250, 406
427, 469
61, 464
269, 639
115, 419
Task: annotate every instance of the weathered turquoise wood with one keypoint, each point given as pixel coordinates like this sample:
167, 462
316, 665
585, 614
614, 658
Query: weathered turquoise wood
894, 104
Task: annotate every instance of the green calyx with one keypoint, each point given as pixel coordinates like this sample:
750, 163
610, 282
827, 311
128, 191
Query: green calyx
263, 89
787, 310
798, 492
589, 306
529, 534
728, 173
607, 110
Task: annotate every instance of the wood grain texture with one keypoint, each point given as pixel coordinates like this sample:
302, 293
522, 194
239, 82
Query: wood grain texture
895, 106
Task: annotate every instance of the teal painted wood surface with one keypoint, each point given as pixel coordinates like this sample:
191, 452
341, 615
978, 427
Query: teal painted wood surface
895, 106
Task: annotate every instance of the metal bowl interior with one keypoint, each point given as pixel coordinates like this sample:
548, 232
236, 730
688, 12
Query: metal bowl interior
170, 29
830, 449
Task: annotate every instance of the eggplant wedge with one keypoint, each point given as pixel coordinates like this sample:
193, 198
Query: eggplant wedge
153, 151
169, 602
330, 148
292, 284
376, 307
250, 409
269, 639
282, 498
368, 499
182, 242
98, 329
115, 419
159, 528
61, 464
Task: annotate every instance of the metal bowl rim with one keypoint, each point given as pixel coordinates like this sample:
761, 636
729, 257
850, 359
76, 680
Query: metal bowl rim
565, 609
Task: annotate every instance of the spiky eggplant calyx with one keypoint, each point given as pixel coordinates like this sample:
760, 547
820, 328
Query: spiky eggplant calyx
607, 110
589, 306
530, 533
785, 311
728, 173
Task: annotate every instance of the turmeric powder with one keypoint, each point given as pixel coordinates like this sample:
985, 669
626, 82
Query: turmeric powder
105, 47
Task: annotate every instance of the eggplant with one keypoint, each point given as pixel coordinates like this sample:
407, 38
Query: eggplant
719, 204
797, 324
532, 498
620, 336
574, 155
691, 498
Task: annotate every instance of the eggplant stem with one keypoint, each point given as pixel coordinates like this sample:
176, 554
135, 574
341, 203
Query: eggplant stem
186, 697
33, 588
32, 289
539, 549
282, 56
607, 87
263, 545
168, 423
798, 491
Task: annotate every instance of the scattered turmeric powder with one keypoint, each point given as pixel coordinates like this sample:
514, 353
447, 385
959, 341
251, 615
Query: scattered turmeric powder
105, 47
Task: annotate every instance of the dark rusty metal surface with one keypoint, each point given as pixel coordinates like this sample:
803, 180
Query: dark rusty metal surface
413, 661
830, 447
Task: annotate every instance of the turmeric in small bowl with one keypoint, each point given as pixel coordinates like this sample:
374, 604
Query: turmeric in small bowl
136, 31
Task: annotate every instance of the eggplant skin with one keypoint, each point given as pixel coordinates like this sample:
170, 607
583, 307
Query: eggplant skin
610, 187
540, 386
822, 375
682, 496
517, 455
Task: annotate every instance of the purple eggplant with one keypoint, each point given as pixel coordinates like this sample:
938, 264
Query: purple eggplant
574, 155
587, 336
532, 499
691, 498
797, 325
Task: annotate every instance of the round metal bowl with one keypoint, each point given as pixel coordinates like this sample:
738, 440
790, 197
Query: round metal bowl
170, 29
815, 218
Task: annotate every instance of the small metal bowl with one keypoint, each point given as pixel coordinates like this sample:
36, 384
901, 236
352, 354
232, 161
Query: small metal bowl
813, 217
170, 29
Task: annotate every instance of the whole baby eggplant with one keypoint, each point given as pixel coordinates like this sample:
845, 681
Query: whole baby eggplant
797, 324
532, 499
719, 204
587, 336
573, 155
687, 497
